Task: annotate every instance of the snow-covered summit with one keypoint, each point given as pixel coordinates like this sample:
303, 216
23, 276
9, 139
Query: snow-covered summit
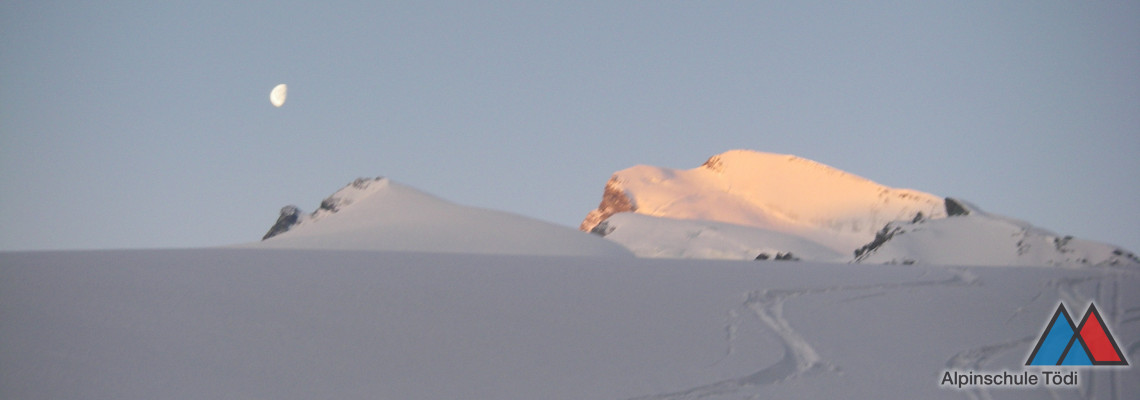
775, 192
378, 214
751, 205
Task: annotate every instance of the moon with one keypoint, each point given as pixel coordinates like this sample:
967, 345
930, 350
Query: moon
277, 95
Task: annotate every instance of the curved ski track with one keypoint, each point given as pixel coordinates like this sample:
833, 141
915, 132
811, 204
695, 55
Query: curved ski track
800, 357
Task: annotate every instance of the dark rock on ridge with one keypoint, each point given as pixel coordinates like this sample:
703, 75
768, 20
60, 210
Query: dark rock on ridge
289, 216
956, 208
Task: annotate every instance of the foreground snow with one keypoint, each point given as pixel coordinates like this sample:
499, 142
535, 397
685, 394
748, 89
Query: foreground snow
292, 324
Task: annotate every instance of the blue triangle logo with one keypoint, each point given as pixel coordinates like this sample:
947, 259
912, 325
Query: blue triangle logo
1056, 341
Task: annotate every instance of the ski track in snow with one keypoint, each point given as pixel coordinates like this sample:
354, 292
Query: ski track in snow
800, 358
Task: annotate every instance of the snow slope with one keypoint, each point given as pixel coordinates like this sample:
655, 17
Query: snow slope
981, 238
296, 324
378, 214
660, 237
775, 192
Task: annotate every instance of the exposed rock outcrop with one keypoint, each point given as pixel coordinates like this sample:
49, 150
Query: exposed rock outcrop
956, 208
289, 217
614, 200
292, 216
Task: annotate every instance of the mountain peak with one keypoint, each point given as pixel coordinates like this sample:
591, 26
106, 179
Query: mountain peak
749, 162
744, 204
378, 214
777, 192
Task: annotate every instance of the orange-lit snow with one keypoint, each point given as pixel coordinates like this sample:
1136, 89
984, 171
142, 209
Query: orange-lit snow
776, 192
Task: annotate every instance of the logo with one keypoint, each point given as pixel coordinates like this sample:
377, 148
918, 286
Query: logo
1064, 344
1087, 344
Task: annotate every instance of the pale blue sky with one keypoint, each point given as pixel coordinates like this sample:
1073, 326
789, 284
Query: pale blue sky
148, 124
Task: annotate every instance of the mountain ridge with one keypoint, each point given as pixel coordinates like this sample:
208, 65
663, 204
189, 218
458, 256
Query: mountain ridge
745, 204
778, 192
740, 204
378, 214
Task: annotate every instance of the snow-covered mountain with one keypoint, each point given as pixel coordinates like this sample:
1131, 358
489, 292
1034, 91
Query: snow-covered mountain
378, 214
971, 236
776, 192
751, 205
737, 205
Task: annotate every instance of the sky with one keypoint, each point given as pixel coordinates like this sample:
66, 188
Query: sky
148, 124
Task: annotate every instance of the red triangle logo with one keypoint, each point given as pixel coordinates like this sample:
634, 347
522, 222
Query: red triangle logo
1099, 342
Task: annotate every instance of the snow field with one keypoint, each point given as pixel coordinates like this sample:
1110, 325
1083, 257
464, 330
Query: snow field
302, 324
